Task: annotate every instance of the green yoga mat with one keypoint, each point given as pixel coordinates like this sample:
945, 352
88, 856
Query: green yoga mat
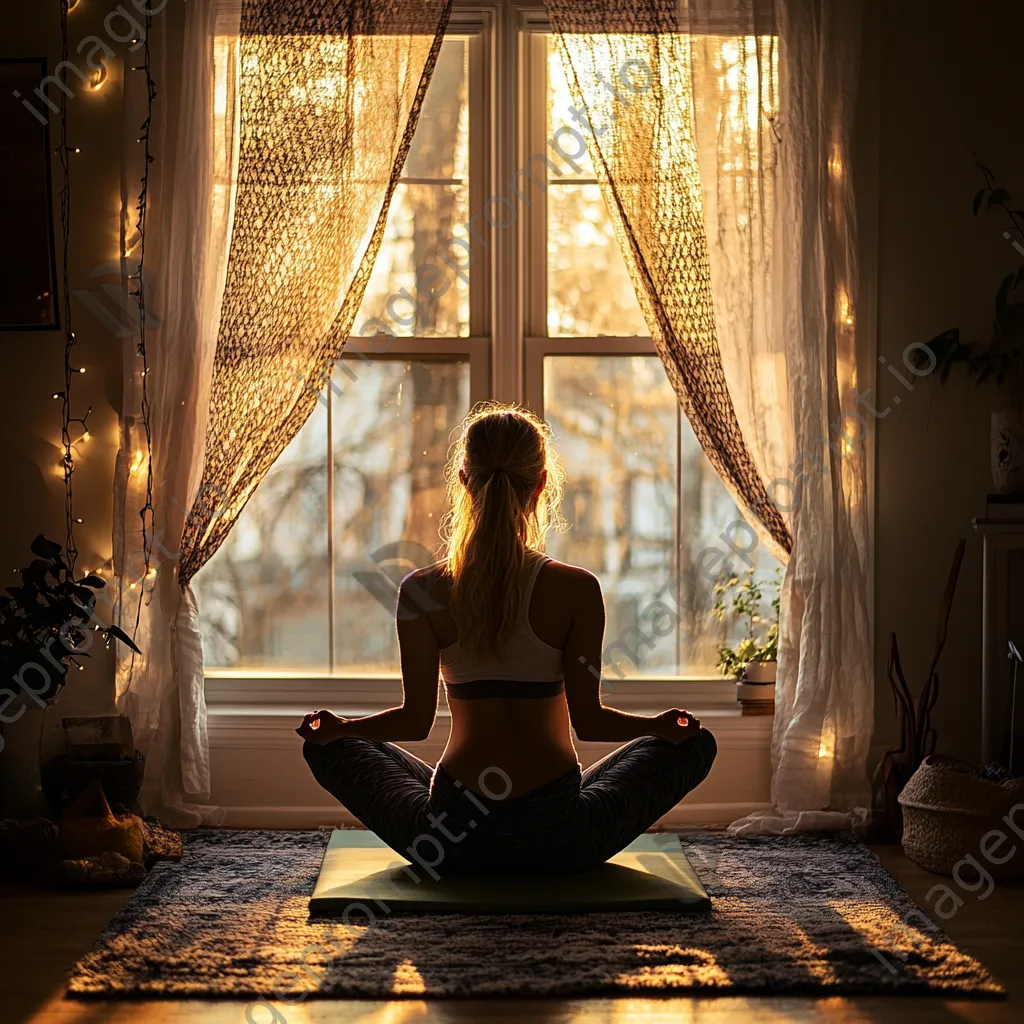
360, 871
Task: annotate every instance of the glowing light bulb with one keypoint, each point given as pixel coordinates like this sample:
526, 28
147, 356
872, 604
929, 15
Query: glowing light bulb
844, 308
136, 462
835, 163
99, 77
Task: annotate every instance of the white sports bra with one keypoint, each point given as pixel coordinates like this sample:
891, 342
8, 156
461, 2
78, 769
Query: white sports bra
528, 668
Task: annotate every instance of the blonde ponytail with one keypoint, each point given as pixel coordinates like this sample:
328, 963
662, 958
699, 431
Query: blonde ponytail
504, 491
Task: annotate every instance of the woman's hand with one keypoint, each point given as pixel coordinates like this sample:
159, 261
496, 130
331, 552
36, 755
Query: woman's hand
322, 727
675, 725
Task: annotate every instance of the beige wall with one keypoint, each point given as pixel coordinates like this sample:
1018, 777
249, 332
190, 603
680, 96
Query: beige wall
951, 81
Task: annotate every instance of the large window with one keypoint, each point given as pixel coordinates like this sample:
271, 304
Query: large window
535, 306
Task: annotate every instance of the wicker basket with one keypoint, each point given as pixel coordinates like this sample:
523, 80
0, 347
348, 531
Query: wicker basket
948, 806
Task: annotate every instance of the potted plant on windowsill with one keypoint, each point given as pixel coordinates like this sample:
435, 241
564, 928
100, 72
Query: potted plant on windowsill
1000, 359
45, 628
753, 660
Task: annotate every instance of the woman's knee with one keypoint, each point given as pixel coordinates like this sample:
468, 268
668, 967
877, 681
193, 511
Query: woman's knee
315, 755
707, 748
320, 756
695, 755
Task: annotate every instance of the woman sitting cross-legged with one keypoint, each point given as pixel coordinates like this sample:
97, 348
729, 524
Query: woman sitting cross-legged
515, 635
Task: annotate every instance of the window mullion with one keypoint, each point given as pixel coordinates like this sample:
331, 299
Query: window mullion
481, 46
532, 156
330, 531
678, 539
506, 110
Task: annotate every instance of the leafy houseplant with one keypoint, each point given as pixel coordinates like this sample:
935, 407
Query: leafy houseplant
45, 623
745, 604
1000, 359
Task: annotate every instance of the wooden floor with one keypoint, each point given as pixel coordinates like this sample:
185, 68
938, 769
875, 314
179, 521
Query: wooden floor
42, 933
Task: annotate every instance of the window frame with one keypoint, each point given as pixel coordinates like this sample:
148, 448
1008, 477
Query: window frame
506, 346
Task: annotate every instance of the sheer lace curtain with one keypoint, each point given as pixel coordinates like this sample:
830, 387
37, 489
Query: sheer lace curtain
187, 226
728, 174
824, 714
279, 136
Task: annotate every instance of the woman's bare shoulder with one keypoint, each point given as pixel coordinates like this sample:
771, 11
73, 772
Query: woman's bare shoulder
427, 575
426, 589
573, 577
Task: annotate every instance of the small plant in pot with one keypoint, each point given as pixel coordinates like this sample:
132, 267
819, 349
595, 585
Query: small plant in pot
754, 658
45, 625
999, 360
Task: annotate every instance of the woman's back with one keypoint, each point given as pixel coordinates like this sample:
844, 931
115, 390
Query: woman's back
522, 729
526, 666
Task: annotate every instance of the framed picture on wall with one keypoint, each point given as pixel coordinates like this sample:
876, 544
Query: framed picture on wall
28, 292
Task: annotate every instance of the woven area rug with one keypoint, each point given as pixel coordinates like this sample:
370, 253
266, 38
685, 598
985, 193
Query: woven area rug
814, 914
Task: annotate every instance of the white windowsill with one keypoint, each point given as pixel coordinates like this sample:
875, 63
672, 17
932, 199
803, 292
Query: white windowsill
246, 690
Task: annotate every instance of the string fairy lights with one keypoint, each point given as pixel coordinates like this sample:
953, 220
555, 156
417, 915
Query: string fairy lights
146, 513
137, 288
67, 459
66, 466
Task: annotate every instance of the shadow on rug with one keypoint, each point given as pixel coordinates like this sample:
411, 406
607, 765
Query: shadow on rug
810, 914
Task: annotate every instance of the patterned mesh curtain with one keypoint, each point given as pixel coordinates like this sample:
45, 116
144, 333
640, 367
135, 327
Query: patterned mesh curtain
328, 97
631, 66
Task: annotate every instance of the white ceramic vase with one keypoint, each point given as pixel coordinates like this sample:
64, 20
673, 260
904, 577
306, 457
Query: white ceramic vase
760, 672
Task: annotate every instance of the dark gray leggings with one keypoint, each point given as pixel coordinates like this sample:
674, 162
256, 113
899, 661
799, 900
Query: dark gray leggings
572, 823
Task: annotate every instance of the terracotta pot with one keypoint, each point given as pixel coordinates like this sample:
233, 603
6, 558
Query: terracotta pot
1008, 452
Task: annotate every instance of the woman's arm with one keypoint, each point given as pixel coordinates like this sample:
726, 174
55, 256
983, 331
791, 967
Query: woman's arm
591, 719
420, 660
